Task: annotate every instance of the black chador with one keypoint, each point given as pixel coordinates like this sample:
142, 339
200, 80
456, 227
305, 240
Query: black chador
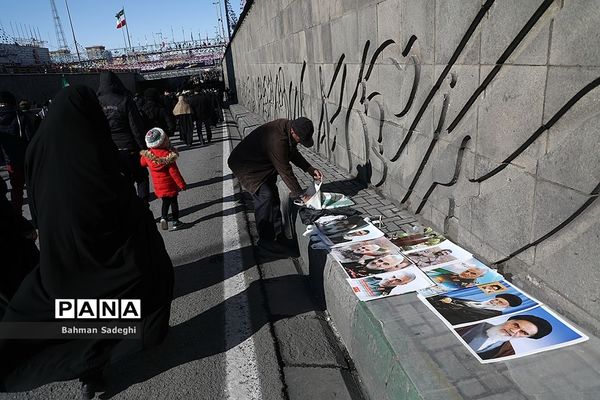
97, 241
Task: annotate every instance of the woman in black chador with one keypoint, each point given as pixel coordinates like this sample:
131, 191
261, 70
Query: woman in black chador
98, 241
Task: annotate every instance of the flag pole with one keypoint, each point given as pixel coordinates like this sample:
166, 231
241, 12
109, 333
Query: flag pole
124, 40
73, 32
127, 27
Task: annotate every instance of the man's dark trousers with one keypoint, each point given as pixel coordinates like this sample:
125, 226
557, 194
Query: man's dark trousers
267, 210
206, 124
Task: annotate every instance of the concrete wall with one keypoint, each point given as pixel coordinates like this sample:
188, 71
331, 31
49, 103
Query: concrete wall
41, 87
498, 100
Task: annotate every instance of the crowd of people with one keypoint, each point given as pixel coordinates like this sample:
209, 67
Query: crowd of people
97, 235
85, 167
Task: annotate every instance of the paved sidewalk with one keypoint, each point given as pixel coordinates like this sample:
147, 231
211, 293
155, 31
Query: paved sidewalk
311, 357
401, 350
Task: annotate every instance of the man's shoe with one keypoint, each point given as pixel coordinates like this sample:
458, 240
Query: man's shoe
289, 244
164, 225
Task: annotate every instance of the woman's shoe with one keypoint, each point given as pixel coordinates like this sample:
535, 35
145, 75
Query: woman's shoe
91, 384
177, 225
164, 225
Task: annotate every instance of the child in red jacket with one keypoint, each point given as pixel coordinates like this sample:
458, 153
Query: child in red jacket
160, 159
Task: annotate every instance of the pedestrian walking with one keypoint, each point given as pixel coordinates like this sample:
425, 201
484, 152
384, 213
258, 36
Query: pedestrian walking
161, 159
126, 128
98, 241
257, 161
185, 120
202, 109
15, 134
155, 114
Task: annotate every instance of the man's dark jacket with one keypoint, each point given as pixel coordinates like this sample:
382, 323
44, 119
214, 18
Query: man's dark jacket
15, 134
155, 114
126, 125
265, 151
202, 107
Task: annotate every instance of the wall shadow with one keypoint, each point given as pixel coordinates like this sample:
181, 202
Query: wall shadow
349, 187
216, 179
201, 206
202, 336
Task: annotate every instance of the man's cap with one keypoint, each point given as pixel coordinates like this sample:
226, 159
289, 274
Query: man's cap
7, 98
303, 127
544, 327
513, 300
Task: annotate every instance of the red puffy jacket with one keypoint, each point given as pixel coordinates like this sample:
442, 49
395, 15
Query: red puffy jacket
165, 175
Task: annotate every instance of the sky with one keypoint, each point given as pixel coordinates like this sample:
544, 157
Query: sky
94, 21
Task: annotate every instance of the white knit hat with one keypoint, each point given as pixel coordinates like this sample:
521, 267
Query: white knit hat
155, 137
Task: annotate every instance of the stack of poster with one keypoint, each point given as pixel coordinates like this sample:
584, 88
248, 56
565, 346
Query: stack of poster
339, 230
415, 241
375, 266
495, 320
451, 267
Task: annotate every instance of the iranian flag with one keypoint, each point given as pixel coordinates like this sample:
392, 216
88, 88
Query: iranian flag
121, 19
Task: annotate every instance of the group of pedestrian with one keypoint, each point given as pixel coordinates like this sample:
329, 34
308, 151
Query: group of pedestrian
202, 108
97, 236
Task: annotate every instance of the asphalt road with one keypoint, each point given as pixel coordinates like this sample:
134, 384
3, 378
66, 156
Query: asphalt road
220, 345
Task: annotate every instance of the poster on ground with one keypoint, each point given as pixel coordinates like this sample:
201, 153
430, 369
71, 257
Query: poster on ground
408, 241
406, 280
370, 257
459, 275
479, 303
517, 335
440, 254
342, 229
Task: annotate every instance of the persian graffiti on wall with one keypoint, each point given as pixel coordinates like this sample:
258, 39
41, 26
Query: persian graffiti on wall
352, 109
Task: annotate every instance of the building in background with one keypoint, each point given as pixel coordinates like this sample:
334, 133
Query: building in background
15, 54
94, 52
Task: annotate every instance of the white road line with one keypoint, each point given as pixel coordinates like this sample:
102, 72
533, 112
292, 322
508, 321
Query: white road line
241, 370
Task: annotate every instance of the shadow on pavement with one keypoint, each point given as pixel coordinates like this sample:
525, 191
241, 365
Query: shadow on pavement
349, 187
203, 336
210, 181
201, 206
220, 214
205, 272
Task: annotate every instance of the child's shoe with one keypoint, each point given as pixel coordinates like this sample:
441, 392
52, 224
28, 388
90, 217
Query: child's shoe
164, 225
176, 225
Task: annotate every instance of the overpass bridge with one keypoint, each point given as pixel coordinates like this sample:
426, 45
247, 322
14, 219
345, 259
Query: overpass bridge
173, 73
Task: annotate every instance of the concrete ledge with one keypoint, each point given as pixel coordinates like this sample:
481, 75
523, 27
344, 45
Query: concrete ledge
401, 350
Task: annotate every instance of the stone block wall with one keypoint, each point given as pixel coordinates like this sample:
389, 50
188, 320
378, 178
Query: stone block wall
481, 116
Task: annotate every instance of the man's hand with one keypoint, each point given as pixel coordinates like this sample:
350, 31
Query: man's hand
317, 175
305, 198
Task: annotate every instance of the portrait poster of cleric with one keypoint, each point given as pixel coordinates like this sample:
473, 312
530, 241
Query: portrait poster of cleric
479, 303
459, 275
406, 280
342, 229
517, 335
442, 253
